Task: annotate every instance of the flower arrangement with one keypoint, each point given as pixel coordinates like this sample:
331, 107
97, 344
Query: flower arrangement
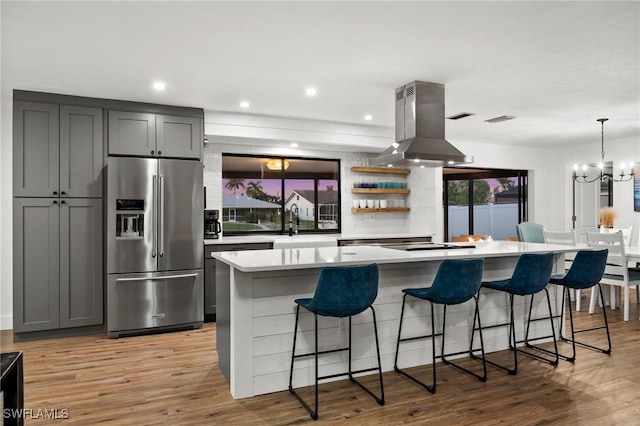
607, 216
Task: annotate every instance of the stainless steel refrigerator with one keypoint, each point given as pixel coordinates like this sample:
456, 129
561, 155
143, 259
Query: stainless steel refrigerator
154, 245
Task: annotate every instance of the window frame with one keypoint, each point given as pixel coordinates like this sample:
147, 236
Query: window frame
284, 176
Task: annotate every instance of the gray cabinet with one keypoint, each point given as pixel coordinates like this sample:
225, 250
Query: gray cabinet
36, 144
57, 263
36, 264
142, 134
81, 274
81, 152
57, 150
132, 133
210, 272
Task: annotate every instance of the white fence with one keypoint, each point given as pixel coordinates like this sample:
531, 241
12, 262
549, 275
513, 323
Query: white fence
497, 220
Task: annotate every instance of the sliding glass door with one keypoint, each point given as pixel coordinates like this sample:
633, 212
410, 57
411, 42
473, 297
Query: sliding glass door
483, 203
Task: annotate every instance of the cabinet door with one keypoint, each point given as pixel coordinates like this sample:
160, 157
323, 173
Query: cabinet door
179, 137
81, 277
36, 260
35, 150
132, 133
81, 156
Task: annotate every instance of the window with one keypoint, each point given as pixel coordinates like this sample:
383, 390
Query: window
483, 202
263, 194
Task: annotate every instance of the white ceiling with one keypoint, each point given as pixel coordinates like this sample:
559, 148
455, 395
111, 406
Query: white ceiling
556, 66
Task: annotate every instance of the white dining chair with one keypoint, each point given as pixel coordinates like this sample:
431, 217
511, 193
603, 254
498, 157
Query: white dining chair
565, 238
617, 272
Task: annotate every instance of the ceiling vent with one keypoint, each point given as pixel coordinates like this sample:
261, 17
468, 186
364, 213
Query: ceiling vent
461, 115
501, 118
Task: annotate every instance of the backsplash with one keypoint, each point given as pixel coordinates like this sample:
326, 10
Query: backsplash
423, 201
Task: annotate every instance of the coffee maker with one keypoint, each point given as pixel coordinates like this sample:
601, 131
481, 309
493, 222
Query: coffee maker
212, 227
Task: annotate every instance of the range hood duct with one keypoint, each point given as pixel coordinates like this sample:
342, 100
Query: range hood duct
420, 129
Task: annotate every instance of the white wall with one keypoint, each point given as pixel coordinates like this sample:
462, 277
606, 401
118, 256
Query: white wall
6, 210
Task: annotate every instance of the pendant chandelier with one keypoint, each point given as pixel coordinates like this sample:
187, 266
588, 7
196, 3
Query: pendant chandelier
603, 176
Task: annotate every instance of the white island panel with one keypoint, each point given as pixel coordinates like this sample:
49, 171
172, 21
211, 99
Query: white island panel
262, 287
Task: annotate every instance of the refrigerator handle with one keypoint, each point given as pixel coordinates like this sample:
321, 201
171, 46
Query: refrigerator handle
154, 218
161, 227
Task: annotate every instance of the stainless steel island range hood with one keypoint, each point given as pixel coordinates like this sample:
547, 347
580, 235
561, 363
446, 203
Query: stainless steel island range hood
420, 129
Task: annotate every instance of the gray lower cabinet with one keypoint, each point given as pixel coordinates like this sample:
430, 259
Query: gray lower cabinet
58, 150
143, 134
210, 272
58, 278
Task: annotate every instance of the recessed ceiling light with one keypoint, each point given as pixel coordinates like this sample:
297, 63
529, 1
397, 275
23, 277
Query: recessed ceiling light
245, 104
368, 117
159, 85
311, 91
294, 145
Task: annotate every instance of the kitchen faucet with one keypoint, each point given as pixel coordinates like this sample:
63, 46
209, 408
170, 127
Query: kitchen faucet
293, 226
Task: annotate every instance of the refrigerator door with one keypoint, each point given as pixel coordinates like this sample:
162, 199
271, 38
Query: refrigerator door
180, 224
131, 215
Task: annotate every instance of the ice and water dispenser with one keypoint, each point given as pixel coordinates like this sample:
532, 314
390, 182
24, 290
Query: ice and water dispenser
130, 219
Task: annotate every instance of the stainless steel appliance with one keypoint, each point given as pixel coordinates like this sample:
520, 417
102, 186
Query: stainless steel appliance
420, 129
154, 245
212, 227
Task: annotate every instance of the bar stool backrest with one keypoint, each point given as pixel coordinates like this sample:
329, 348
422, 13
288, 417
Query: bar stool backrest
587, 269
457, 280
532, 273
344, 291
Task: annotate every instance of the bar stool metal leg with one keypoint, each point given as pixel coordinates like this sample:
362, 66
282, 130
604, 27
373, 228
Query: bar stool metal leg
553, 361
573, 340
350, 373
443, 356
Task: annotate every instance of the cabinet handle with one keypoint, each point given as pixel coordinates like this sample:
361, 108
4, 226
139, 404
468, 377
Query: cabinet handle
55, 201
63, 193
55, 192
152, 152
159, 152
63, 202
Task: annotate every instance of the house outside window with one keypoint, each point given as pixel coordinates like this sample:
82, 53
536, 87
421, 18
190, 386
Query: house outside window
262, 194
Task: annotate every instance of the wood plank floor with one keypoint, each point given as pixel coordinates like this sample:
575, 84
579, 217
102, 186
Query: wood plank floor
173, 378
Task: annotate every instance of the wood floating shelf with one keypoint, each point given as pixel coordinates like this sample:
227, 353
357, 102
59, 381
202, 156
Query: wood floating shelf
379, 191
385, 170
381, 210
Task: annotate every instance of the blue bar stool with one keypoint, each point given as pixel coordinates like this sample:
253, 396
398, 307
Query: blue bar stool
341, 292
456, 281
586, 271
530, 276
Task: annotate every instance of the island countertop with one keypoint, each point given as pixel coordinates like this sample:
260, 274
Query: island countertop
303, 258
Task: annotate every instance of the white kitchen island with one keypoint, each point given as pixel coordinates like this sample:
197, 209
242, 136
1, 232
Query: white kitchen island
256, 311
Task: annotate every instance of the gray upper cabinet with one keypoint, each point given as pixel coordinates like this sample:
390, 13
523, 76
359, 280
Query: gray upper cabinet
36, 264
150, 135
179, 137
58, 150
35, 150
132, 133
81, 152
